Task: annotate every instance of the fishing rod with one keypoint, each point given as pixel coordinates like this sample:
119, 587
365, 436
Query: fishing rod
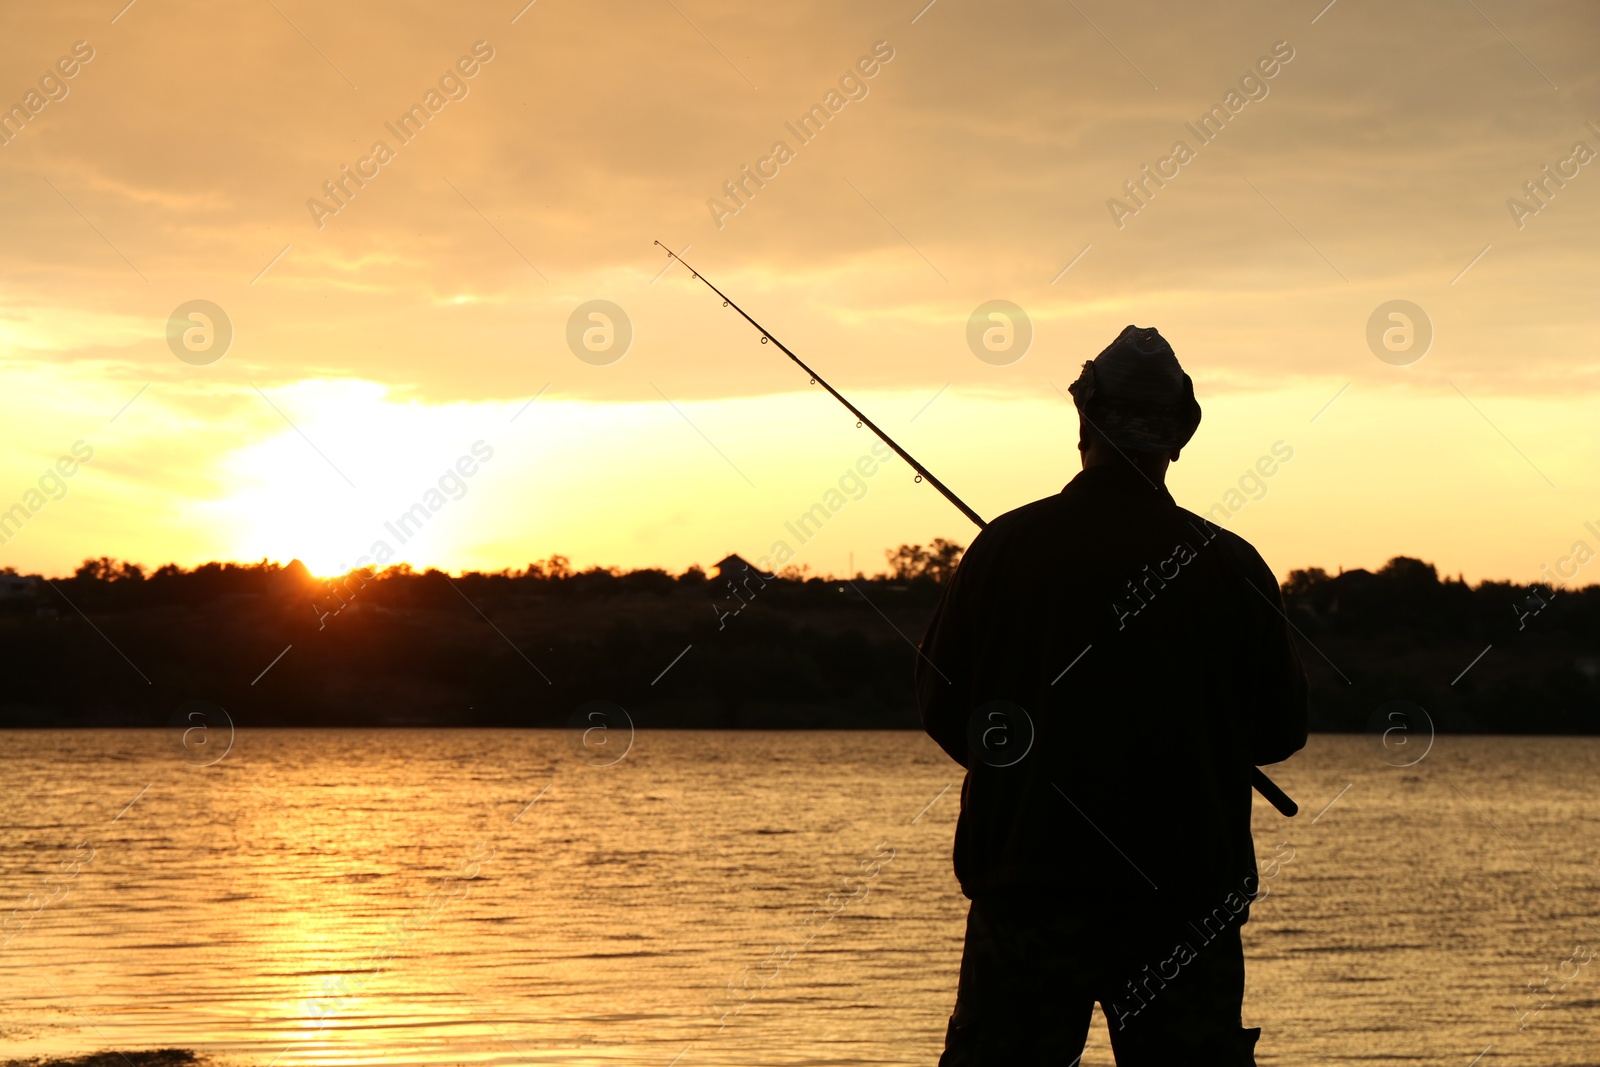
861, 420
1264, 785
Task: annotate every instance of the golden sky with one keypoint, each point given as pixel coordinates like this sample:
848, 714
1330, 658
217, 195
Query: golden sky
1367, 153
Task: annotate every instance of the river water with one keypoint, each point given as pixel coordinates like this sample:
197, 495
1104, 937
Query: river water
498, 896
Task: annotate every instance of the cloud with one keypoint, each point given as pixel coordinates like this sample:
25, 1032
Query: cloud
1376, 166
989, 148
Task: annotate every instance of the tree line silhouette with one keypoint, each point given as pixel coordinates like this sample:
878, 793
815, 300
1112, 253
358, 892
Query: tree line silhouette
113, 645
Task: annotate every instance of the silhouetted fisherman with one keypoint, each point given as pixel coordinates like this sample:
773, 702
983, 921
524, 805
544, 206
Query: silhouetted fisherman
1109, 668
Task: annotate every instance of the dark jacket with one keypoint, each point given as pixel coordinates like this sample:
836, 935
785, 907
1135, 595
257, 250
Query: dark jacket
1134, 788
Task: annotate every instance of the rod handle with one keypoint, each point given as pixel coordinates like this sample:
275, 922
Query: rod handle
1275, 796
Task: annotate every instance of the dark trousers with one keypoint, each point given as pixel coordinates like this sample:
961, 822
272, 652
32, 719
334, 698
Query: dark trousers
1030, 978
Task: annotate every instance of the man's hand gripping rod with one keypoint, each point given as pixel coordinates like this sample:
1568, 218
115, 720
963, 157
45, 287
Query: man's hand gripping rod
1264, 785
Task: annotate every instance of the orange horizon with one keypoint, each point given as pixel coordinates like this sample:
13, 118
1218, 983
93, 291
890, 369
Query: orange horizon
708, 570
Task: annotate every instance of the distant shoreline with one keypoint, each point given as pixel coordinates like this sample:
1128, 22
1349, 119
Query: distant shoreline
264, 646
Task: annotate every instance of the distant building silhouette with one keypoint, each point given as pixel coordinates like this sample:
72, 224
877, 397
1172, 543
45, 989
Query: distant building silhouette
17, 586
735, 567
